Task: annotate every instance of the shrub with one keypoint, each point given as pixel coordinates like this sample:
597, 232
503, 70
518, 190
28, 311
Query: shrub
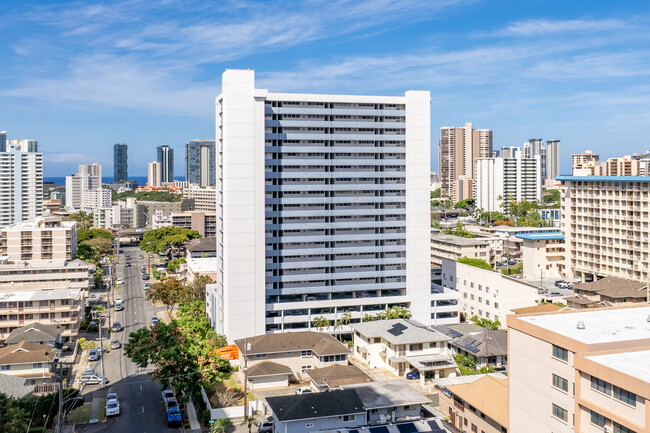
477, 263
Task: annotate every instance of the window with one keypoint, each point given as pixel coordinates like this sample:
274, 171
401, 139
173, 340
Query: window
597, 419
305, 353
480, 287
625, 396
559, 413
377, 410
487, 289
43, 303
349, 418
474, 428
304, 368
37, 365
260, 355
601, 386
496, 305
620, 429
560, 383
480, 299
5, 367
560, 353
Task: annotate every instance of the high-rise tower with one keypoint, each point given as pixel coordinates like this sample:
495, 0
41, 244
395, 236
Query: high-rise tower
199, 162
21, 189
166, 160
120, 162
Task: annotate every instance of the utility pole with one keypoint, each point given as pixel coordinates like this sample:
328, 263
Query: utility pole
246, 379
59, 418
101, 347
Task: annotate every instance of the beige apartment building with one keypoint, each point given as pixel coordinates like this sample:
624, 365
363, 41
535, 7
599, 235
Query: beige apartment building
605, 226
52, 304
580, 371
205, 199
542, 255
585, 164
45, 239
623, 166
452, 247
203, 222
459, 148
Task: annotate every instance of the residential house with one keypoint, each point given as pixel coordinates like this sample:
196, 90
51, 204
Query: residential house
477, 403
28, 360
37, 333
335, 376
608, 291
300, 351
16, 387
268, 374
479, 343
402, 346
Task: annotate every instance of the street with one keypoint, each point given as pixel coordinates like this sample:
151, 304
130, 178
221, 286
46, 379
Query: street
141, 405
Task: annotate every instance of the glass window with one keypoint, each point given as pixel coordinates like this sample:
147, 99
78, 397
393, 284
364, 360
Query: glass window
601, 386
305, 353
620, 429
349, 418
560, 353
625, 396
597, 419
559, 413
560, 383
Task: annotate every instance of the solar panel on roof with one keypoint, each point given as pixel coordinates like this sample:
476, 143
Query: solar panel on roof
353, 431
454, 334
380, 429
434, 427
407, 428
397, 329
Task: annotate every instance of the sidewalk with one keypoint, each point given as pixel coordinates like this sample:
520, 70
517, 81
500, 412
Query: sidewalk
94, 412
195, 426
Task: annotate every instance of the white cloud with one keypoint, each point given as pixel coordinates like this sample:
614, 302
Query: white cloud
548, 27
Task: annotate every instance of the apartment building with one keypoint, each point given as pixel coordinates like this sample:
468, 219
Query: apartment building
585, 164
154, 173
165, 157
93, 169
487, 294
46, 238
499, 181
622, 166
199, 163
203, 222
75, 274
314, 206
588, 373
204, 198
24, 145
452, 247
459, 148
543, 255
605, 226
96, 199
552, 161
120, 162
608, 291
51, 304
76, 187
21, 185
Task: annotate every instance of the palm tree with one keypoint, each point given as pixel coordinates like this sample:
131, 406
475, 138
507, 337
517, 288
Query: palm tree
84, 219
220, 425
368, 318
250, 422
320, 322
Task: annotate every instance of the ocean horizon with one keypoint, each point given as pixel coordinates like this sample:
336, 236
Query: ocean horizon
140, 180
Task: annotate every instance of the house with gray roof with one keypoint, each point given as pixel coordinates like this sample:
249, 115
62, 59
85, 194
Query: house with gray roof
472, 340
404, 346
37, 333
15, 386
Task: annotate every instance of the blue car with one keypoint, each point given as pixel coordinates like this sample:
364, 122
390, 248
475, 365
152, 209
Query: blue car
411, 375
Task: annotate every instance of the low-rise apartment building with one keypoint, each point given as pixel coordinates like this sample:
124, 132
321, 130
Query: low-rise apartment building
542, 255
605, 225
300, 351
44, 239
74, 274
203, 222
53, 304
205, 199
477, 403
580, 371
487, 294
402, 346
452, 247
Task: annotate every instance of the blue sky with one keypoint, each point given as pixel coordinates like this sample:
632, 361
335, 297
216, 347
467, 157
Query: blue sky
80, 76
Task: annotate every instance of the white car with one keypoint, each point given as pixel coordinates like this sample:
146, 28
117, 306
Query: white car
303, 390
120, 281
94, 297
112, 405
167, 394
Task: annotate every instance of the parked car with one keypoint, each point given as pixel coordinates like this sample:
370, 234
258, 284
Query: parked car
93, 355
94, 297
167, 394
143, 269
558, 283
92, 379
117, 327
412, 375
139, 256
171, 403
111, 396
119, 306
303, 390
147, 285
512, 262
127, 264
145, 277
555, 294
116, 344
265, 425
120, 281
500, 264
89, 371
154, 321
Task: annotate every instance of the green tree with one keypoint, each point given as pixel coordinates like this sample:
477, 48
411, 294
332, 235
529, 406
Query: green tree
84, 219
88, 253
250, 422
170, 293
396, 312
102, 245
477, 263
197, 287
320, 322
98, 279
465, 204
86, 234
435, 193
486, 323
159, 240
551, 196
16, 420
175, 264
221, 425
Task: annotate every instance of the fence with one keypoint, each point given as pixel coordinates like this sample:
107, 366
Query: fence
232, 412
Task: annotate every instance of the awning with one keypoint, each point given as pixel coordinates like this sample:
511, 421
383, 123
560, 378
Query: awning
431, 362
396, 359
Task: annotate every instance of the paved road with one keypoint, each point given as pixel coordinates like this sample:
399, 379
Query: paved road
141, 406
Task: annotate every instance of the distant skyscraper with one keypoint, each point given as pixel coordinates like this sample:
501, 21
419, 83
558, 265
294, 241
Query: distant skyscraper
3, 141
166, 161
459, 148
199, 162
120, 162
153, 173
552, 160
25, 145
93, 169
21, 189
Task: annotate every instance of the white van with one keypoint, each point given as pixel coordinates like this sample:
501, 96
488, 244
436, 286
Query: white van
118, 305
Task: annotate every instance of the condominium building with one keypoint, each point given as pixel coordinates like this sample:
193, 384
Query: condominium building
46, 238
154, 173
552, 161
542, 255
24, 145
93, 169
314, 206
199, 163
76, 187
3, 141
452, 247
580, 371
458, 150
487, 294
165, 157
204, 198
585, 164
605, 226
74, 274
96, 199
500, 181
623, 166
53, 304
203, 222
120, 162
21, 185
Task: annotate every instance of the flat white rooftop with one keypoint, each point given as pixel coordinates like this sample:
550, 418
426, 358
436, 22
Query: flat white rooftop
633, 364
601, 326
39, 295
